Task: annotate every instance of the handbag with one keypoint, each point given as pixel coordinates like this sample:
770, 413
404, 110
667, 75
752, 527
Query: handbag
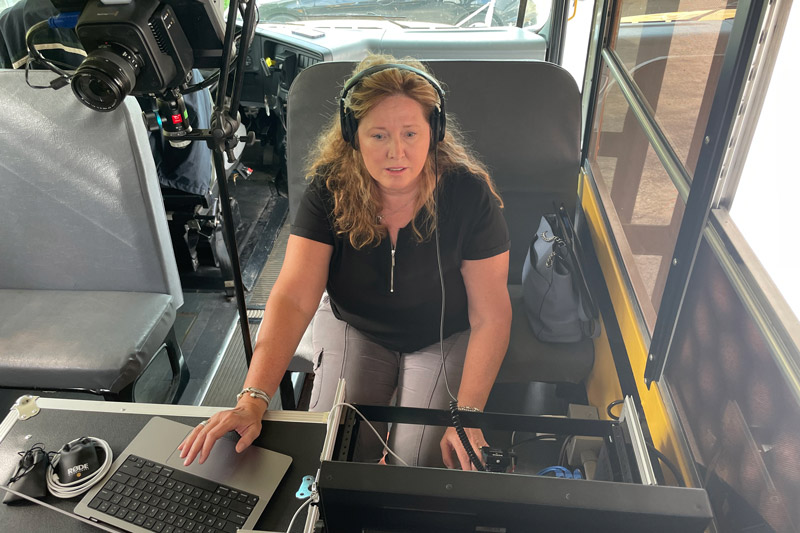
557, 299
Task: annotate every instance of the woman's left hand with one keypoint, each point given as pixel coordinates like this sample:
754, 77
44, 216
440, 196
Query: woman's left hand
453, 452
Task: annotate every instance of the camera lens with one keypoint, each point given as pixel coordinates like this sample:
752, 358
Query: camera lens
106, 77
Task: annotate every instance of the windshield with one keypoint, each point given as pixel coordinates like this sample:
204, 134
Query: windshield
409, 13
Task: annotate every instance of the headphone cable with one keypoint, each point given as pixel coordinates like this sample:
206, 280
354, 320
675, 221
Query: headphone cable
454, 414
439, 266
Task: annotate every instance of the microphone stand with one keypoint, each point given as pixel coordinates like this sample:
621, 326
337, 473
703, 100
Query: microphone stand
222, 138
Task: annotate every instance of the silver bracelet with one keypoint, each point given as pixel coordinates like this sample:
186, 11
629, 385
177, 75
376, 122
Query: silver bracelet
469, 409
254, 393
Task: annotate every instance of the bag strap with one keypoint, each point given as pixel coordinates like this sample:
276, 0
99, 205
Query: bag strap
551, 238
573, 243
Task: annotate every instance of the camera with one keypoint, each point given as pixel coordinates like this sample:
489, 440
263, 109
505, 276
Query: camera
142, 47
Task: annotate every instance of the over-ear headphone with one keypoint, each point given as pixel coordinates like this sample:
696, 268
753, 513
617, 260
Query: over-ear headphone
350, 123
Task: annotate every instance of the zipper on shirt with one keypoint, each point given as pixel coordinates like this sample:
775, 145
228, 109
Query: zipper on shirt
391, 273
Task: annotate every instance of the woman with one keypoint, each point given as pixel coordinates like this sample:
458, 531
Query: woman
365, 232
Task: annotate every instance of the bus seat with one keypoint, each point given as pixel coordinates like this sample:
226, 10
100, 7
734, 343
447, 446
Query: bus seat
528, 134
89, 286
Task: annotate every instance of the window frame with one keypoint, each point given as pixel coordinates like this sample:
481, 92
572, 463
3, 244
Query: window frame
704, 194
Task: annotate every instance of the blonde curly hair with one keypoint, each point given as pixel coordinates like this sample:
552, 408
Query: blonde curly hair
357, 200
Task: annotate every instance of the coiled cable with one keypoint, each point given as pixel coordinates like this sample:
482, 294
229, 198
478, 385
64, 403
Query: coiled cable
78, 487
462, 435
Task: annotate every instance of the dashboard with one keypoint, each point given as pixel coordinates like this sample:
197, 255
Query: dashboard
281, 51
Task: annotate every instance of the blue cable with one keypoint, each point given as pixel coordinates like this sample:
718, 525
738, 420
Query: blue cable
64, 20
561, 472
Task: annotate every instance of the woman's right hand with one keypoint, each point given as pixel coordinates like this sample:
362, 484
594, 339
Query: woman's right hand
245, 419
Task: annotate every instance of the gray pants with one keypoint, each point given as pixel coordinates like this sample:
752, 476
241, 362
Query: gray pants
375, 375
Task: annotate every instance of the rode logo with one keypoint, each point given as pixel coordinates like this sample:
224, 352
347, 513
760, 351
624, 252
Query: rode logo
77, 469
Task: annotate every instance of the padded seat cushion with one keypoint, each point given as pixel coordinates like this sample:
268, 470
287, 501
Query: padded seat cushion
529, 359
96, 340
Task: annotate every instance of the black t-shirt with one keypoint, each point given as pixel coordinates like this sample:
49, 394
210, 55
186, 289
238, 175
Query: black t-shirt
471, 227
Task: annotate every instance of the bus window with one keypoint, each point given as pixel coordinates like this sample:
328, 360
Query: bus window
733, 367
465, 14
647, 210
576, 41
673, 59
731, 372
763, 204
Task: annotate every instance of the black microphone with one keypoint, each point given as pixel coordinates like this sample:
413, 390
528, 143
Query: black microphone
78, 460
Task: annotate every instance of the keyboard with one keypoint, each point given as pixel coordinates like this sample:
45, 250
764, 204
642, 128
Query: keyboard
158, 498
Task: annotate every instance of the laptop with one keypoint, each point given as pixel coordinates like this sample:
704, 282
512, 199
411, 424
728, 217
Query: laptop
148, 488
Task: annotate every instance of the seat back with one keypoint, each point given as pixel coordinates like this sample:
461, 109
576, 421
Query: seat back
81, 200
522, 118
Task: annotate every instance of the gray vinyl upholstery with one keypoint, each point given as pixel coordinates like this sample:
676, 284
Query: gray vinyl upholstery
88, 283
523, 119
90, 347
